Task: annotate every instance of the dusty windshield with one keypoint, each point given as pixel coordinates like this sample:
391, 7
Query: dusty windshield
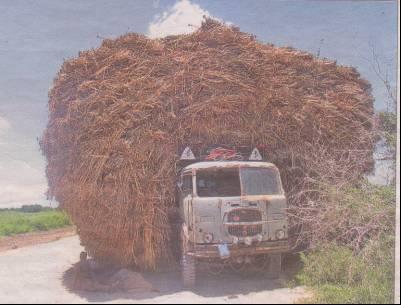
228, 182
222, 182
260, 181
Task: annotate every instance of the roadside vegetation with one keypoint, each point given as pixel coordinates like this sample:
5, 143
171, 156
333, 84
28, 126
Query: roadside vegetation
363, 272
352, 259
31, 219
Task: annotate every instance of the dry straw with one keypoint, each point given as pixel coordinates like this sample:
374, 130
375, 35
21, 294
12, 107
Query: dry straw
120, 114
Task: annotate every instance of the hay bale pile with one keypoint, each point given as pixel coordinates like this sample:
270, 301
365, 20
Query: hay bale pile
121, 113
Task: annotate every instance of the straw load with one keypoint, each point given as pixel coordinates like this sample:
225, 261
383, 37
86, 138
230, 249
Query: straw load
120, 115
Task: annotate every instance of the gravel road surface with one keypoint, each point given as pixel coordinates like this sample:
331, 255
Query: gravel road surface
35, 274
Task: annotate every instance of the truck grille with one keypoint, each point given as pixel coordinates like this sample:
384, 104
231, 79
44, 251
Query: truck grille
244, 215
241, 216
243, 231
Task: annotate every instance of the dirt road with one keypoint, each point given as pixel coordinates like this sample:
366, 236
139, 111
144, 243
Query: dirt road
35, 274
34, 238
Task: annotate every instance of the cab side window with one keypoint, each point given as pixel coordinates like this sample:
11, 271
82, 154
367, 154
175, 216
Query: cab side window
187, 185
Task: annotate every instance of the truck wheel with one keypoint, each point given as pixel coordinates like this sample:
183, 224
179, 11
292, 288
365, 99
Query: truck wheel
188, 271
188, 263
274, 269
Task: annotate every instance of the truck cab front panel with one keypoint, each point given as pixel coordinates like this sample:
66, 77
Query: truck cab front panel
234, 219
228, 204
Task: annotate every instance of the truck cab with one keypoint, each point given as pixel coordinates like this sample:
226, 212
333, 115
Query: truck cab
232, 211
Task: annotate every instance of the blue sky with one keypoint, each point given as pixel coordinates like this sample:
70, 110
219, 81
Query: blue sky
36, 36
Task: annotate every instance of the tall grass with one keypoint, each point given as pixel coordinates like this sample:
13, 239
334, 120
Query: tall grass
339, 276
17, 222
340, 273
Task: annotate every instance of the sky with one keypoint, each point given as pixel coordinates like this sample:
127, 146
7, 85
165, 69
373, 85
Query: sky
36, 36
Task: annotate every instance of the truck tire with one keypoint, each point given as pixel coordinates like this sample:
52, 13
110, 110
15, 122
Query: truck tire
274, 269
188, 263
188, 271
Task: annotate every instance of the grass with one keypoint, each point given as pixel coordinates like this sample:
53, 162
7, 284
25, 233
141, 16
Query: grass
339, 274
14, 222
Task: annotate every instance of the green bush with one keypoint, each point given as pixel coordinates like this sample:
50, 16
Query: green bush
331, 265
354, 216
340, 276
388, 127
34, 208
17, 222
340, 272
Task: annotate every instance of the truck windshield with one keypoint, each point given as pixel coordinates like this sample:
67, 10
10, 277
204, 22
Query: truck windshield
226, 182
259, 181
223, 182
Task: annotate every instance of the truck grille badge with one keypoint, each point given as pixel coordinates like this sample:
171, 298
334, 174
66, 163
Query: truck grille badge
241, 216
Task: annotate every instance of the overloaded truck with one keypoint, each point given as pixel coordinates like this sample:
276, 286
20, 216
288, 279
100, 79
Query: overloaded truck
233, 212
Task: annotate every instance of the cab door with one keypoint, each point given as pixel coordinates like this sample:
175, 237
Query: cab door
186, 199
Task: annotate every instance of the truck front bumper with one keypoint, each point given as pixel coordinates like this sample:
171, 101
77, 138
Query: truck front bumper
264, 247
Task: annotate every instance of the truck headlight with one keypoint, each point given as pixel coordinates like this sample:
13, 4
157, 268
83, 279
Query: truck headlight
208, 238
235, 240
280, 234
248, 241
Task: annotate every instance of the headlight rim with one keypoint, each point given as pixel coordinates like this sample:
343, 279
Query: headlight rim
208, 238
280, 234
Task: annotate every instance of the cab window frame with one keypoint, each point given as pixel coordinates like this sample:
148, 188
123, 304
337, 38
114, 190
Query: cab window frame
187, 189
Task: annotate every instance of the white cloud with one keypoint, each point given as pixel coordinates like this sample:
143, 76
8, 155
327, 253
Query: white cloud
182, 18
16, 195
4, 126
20, 182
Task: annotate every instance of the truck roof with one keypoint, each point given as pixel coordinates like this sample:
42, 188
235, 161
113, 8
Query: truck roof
222, 164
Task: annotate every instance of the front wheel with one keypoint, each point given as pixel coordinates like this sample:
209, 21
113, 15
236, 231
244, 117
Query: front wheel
188, 271
274, 269
188, 263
